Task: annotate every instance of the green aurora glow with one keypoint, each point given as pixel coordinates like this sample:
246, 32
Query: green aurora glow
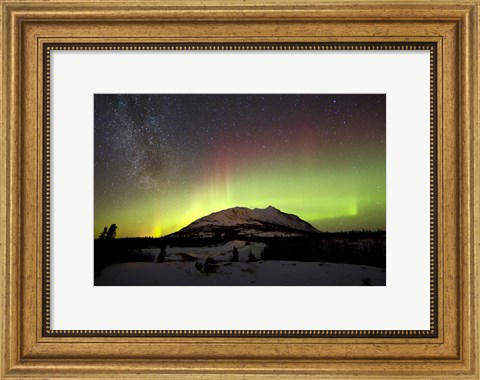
335, 184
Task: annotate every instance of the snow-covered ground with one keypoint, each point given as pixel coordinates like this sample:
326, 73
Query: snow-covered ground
177, 269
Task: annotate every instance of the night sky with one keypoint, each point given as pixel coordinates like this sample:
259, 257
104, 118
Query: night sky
163, 161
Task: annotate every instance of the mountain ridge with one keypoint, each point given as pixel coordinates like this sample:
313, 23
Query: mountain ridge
243, 222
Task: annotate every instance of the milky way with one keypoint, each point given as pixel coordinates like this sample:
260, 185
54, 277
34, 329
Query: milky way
162, 161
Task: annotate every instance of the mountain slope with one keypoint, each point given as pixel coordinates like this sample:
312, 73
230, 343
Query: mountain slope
242, 221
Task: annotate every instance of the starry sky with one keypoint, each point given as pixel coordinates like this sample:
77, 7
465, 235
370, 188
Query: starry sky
163, 161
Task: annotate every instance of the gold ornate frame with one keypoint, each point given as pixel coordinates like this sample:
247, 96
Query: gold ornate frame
371, 46
30, 27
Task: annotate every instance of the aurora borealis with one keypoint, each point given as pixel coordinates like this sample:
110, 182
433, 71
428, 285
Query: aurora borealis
163, 161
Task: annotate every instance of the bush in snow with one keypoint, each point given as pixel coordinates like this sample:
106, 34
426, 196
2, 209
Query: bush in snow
366, 281
210, 266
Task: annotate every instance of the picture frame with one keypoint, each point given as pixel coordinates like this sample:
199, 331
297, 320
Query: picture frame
31, 350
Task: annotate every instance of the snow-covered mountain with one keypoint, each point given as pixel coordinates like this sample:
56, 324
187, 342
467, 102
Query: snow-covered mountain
242, 221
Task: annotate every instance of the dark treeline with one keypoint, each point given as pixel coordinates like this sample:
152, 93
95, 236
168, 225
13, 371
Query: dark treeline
148, 241
115, 251
352, 247
367, 250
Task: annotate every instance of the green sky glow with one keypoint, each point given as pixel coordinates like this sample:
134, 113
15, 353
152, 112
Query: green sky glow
335, 181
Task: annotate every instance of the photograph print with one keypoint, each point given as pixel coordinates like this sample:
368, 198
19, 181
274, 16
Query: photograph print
239, 189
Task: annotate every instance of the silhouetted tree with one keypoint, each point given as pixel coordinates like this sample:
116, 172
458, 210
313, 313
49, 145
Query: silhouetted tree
162, 254
234, 254
112, 232
251, 257
266, 253
103, 234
